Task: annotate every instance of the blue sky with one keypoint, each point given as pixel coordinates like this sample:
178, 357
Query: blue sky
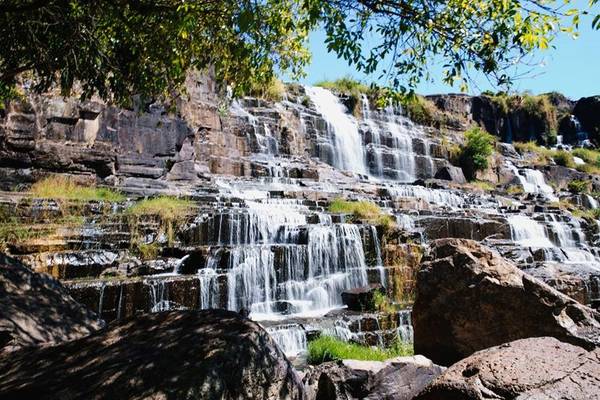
573, 68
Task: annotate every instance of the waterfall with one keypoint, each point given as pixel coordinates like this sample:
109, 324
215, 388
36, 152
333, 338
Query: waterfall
533, 181
274, 263
291, 338
342, 128
528, 232
378, 258
405, 328
159, 296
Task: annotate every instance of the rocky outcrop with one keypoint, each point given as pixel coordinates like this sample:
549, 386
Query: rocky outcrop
469, 298
587, 111
535, 368
205, 355
361, 299
396, 379
451, 173
36, 309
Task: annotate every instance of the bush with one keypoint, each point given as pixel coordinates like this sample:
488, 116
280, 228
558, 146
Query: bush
564, 158
65, 188
476, 151
273, 90
578, 186
327, 348
423, 111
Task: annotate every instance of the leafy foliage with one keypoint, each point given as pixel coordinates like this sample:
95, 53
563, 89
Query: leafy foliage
398, 39
327, 348
121, 48
475, 153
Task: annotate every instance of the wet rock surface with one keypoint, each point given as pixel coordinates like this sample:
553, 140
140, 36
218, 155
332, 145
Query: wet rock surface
205, 355
469, 298
36, 309
535, 368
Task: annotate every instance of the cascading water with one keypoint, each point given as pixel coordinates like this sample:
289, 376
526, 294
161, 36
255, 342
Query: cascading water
291, 338
278, 264
342, 129
533, 182
528, 232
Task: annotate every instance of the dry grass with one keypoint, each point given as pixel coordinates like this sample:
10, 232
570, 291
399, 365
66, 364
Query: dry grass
64, 188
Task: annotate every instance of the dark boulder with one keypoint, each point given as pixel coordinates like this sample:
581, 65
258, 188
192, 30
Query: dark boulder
451, 173
395, 379
212, 354
36, 309
534, 368
587, 111
361, 299
469, 298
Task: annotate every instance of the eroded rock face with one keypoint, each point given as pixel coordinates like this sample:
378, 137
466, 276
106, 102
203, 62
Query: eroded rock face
587, 110
36, 309
212, 354
534, 368
396, 379
469, 298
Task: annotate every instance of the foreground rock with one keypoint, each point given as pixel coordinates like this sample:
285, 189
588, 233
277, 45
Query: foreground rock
535, 368
36, 309
178, 355
469, 298
396, 379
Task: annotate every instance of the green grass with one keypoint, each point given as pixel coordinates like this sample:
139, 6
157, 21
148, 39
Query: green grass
273, 90
327, 348
347, 85
514, 189
483, 185
361, 209
564, 158
587, 214
64, 188
168, 208
588, 155
579, 186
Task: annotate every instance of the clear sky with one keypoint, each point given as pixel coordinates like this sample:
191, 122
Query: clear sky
573, 68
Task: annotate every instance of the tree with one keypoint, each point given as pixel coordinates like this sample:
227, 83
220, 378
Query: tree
399, 39
117, 48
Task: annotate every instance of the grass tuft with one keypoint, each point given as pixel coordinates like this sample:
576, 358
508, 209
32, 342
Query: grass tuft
168, 208
327, 348
64, 188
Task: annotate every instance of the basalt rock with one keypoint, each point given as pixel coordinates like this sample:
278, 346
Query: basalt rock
469, 298
36, 309
587, 110
361, 299
534, 368
396, 379
451, 173
212, 354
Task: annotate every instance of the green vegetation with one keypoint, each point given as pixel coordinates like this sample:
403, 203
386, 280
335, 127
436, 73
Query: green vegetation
170, 210
166, 207
363, 210
589, 156
327, 348
146, 47
147, 251
475, 153
514, 189
578, 186
587, 214
272, 90
354, 89
563, 158
63, 188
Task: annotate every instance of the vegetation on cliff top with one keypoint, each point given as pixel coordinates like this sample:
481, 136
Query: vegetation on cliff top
327, 348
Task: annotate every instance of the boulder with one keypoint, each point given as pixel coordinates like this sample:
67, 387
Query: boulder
451, 173
36, 309
534, 368
361, 299
469, 298
395, 379
587, 111
211, 354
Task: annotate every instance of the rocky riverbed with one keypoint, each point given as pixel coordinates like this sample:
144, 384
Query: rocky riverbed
262, 234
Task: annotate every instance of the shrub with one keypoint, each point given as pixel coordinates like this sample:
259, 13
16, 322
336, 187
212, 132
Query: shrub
564, 158
273, 90
364, 210
327, 348
422, 111
475, 153
65, 188
579, 186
